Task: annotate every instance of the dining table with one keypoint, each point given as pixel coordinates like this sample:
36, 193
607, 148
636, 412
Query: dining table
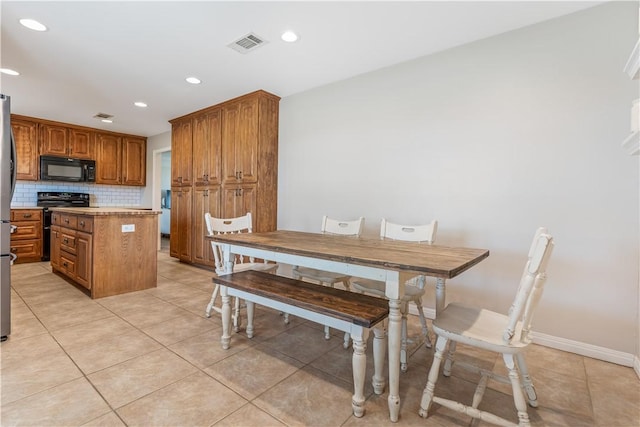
391, 261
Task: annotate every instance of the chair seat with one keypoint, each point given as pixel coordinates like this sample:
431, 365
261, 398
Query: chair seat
478, 327
320, 275
376, 287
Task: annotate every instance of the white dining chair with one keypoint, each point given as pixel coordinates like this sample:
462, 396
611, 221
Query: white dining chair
240, 224
338, 227
508, 334
414, 289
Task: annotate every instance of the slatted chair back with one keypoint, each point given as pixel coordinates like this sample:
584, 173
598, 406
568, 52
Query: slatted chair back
530, 289
216, 226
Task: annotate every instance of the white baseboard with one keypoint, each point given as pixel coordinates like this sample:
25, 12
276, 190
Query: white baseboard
583, 349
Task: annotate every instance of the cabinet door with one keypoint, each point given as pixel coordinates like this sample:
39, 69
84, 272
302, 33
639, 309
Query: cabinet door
25, 134
207, 135
56, 241
240, 142
84, 259
53, 140
108, 159
205, 199
237, 200
180, 242
81, 143
181, 152
134, 160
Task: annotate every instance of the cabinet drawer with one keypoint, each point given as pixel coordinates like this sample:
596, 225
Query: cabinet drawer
68, 264
68, 241
65, 220
27, 250
18, 215
85, 223
26, 230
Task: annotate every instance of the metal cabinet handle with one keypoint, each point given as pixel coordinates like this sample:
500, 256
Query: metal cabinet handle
66, 220
65, 241
81, 223
27, 215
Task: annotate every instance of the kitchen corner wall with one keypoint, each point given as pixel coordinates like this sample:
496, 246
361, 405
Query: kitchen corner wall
101, 195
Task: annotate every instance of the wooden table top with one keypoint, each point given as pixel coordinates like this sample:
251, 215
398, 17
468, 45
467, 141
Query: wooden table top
430, 260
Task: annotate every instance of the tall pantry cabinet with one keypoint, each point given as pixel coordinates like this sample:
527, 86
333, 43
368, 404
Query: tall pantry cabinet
224, 160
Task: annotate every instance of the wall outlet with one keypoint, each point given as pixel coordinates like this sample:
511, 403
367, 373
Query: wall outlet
128, 228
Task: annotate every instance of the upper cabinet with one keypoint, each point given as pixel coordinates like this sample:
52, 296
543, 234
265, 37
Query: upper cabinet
25, 133
240, 142
120, 158
207, 140
181, 151
65, 141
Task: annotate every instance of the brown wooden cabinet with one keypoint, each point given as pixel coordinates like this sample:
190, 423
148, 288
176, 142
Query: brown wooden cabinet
234, 144
25, 133
181, 153
26, 240
64, 141
180, 243
108, 252
108, 159
134, 161
205, 199
207, 144
121, 160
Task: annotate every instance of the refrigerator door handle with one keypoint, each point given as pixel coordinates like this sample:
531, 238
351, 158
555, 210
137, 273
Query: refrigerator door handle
14, 164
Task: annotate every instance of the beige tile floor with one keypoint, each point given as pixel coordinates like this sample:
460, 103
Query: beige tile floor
151, 358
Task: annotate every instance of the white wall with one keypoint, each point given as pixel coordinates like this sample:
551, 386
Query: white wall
493, 139
156, 143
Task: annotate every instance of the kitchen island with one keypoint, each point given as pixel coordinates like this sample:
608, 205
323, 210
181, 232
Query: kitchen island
105, 251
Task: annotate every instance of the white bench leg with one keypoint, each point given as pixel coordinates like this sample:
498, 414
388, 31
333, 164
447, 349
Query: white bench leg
379, 351
226, 317
250, 311
359, 336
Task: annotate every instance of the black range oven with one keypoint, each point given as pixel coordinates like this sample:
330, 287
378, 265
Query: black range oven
59, 200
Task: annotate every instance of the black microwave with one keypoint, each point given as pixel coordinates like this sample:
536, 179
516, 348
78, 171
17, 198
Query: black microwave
66, 169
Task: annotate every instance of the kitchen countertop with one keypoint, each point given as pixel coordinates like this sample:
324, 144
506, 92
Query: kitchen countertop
25, 207
107, 211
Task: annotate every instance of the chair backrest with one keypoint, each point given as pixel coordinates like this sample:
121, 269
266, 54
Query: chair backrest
530, 288
345, 228
241, 224
410, 233
425, 233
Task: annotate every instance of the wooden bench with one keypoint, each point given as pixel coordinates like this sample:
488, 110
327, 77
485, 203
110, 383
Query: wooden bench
347, 311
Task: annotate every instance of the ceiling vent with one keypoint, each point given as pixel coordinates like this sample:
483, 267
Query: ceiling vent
247, 43
102, 116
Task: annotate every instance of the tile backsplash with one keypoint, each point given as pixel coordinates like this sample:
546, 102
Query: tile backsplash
101, 195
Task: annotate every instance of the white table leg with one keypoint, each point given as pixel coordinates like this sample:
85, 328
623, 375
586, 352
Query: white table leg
440, 294
395, 332
379, 351
226, 317
359, 336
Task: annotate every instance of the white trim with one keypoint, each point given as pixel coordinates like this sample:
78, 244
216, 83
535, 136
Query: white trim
632, 68
583, 349
155, 185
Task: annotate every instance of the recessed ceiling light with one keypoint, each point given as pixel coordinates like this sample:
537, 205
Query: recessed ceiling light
140, 104
9, 71
193, 80
32, 24
289, 36
106, 121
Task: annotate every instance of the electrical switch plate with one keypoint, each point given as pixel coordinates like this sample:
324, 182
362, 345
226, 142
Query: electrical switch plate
128, 228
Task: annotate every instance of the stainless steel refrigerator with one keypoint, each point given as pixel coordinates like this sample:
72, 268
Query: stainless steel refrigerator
7, 186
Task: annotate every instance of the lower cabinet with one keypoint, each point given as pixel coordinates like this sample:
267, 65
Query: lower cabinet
108, 253
26, 240
181, 220
205, 199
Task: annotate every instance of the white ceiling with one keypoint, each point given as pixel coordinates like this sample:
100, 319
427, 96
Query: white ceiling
103, 56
